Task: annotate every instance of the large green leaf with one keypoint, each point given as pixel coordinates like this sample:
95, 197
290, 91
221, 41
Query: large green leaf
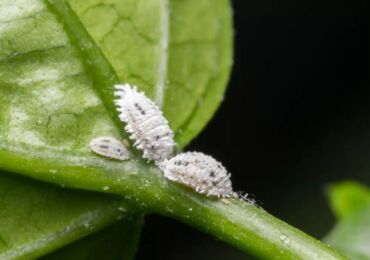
179, 52
36, 218
351, 235
56, 88
118, 241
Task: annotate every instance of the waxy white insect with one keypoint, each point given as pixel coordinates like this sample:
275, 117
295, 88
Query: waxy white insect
145, 123
109, 147
199, 171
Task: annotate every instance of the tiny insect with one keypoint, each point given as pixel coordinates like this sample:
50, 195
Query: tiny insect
109, 147
145, 123
198, 171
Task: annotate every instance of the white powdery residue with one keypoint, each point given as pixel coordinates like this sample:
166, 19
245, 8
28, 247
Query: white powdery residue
39, 74
51, 96
102, 126
6, 27
90, 99
18, 135
17, 115
17, 129
19, 9
52, 71
47, 72
54, 95
80, 98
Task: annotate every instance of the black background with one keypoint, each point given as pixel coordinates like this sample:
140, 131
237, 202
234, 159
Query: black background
296, 117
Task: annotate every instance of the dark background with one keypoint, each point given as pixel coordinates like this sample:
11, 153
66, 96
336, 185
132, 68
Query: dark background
296, 117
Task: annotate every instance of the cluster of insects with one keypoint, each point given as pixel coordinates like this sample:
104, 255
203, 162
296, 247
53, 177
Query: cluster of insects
150, 132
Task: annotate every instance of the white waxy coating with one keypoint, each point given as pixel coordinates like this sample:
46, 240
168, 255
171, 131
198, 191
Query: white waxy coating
109, 147
200, 172
145, 123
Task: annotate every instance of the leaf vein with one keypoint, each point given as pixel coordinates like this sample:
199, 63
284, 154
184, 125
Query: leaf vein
36, 51
164, 41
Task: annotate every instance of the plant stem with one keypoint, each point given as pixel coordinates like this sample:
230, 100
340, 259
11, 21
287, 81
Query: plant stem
246, 227
241, 224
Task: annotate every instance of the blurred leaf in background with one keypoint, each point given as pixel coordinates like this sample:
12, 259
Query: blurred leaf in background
350, 202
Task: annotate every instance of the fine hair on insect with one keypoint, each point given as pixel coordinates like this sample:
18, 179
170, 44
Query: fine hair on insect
145, 123
199, 171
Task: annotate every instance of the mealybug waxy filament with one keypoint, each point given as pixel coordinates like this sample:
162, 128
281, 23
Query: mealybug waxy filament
109, 147
200, 172
145, 123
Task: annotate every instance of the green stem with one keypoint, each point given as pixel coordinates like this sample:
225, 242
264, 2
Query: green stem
241, 224
247, 227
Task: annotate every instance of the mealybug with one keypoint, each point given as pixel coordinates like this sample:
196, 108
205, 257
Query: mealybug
109, 147
200, 172
145, 123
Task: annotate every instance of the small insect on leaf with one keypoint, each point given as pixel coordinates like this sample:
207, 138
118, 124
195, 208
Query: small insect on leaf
145, 123
109, 147
200, 172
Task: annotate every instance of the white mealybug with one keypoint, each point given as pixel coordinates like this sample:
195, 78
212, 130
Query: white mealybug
200, 172
145, 123
109, 147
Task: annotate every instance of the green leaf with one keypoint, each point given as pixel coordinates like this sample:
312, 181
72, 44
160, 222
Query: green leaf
350, 202
56, 85
347, 198
36, 218
179, 52
118, 241
351, 235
